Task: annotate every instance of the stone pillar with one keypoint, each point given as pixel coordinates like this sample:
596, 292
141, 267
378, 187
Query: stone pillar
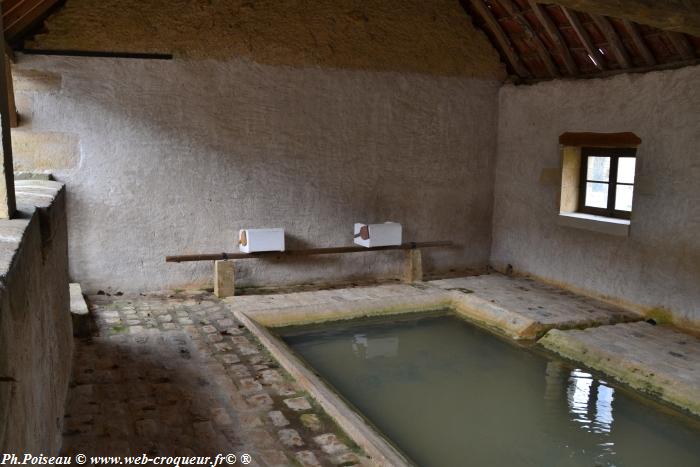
224, 278
413, 266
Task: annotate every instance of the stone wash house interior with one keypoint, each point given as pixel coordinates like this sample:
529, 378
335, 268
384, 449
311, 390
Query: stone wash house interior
350, 232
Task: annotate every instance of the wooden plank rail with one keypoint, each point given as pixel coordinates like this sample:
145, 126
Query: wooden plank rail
304, 252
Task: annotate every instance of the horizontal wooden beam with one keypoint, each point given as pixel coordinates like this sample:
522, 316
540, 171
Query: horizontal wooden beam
613, 140
304, 252
639, 69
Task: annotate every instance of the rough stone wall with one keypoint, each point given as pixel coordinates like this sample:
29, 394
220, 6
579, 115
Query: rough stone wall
176, 156
35, 324
426, 36
658, 265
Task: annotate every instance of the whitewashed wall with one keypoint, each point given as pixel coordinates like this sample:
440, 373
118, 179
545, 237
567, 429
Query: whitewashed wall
658, 265
172, 157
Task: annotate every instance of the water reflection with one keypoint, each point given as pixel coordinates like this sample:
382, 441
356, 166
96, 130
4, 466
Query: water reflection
590, 409
372, 347
583, 396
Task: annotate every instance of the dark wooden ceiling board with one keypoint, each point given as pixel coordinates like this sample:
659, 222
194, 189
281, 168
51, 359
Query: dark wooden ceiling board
501, 39
530, 34
613, 39
584, 38
555, 36
681, 44
638, 42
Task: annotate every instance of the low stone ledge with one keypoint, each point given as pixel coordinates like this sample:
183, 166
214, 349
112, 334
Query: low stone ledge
35, 323
381, 451
525, 309
656, 360
339, 304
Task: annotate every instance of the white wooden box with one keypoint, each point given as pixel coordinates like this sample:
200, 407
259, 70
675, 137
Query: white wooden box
374, 235
252, 240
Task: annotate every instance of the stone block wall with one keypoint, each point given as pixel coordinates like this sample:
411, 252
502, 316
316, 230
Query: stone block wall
35, 324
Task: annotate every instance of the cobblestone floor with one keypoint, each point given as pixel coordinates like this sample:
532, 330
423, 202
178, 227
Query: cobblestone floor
177, 375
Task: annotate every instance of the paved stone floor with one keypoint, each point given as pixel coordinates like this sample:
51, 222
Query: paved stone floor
528, 308
177, 375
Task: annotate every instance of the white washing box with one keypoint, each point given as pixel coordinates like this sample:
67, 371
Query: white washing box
252, 240
373, 235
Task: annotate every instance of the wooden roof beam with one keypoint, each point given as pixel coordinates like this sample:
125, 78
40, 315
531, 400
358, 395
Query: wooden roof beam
681, 44
639, 43
585, 39
671, 15
542, 51
555, 35
503, 41
618, 48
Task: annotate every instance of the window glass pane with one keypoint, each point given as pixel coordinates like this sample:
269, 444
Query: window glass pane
625, 169
623, 197
597, 195
598, 169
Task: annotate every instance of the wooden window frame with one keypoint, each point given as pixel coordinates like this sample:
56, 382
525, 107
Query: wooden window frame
614, 154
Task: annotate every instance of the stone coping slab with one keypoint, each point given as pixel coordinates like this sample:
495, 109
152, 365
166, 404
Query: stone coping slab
31, 196
519, 308
381, 451
523, 308
339, 304
657, 360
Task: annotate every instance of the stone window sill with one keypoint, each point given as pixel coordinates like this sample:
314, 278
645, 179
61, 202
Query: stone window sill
600, 224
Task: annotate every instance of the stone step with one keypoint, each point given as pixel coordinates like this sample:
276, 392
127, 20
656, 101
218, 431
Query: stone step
658, 360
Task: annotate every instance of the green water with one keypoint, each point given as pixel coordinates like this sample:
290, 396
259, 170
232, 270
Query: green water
450, 394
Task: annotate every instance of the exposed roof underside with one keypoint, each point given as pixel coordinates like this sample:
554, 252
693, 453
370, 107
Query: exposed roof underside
18, 16
564, 38
670, 15
544, 41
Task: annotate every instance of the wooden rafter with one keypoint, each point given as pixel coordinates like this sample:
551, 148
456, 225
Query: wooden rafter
585, 39
501, 38
639, 43
618, 48
680, 43
11, 107
542, 51
7, 178
20, 16
555, 35
531, 34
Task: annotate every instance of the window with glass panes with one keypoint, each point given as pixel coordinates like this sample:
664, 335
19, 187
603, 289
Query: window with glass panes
607, 181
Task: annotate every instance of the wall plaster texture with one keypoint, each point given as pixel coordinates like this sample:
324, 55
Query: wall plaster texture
657, 267
423, 36
176, 156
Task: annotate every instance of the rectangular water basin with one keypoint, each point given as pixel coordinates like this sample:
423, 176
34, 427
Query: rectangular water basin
447, 393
